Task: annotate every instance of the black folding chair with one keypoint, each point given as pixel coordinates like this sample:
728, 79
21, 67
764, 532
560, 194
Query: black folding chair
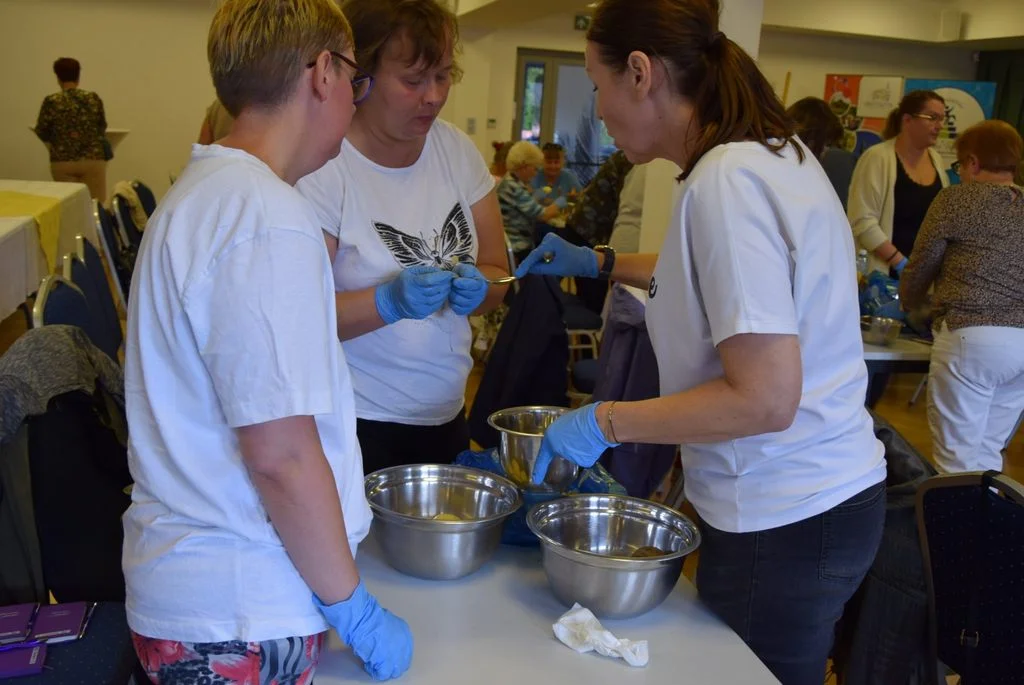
971, 527
146, 197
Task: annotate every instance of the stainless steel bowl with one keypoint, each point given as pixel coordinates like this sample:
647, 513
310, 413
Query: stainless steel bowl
522, 430
880, 330
587, 543
405, 500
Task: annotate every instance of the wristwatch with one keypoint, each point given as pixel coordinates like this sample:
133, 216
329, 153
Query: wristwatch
609, 261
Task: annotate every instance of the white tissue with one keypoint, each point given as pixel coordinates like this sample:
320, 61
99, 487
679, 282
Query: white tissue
580, 631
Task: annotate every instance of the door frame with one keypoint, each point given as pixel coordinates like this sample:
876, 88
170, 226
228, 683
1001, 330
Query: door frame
552, 59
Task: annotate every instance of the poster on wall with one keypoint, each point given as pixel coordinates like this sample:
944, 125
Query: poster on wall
844, 94
967, 103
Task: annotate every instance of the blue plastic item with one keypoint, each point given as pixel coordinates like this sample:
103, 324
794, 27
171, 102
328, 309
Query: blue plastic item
595, 480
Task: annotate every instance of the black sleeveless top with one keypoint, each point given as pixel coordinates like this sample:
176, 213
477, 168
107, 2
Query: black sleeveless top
911, 203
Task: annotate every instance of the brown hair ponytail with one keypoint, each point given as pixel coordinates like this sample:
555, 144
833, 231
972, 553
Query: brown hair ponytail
732, 98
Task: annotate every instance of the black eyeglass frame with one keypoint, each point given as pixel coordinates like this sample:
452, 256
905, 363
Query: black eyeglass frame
361, 76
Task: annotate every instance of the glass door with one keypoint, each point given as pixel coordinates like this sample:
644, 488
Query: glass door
555, 103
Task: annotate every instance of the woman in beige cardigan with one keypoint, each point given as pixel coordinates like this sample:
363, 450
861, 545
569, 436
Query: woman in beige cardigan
895, 181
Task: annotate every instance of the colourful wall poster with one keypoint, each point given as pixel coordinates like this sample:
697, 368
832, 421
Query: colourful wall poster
843, 95
967, 103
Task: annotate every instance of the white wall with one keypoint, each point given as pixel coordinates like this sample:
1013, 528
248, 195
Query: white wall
809, 58
145, 58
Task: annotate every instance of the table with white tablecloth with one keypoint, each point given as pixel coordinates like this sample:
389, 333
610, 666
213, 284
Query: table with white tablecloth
74, 211
21, 262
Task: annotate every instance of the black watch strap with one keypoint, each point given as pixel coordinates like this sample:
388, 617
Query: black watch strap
609, 261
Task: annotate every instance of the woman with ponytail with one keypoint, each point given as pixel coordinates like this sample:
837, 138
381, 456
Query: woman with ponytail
752, 311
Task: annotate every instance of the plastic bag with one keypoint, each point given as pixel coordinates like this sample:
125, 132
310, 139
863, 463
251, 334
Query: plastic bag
595, 480
881, 297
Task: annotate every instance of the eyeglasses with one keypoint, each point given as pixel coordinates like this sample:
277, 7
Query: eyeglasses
955, 167
932, 117
362, 82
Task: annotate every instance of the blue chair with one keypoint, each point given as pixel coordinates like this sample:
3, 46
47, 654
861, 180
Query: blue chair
112, 249
146, 197
93, 284
59, 301
971, 528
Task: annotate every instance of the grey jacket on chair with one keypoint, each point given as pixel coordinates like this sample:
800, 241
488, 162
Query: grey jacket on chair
42, 364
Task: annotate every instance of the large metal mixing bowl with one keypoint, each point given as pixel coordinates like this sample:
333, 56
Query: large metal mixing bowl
588, 542
522, 430
405, 501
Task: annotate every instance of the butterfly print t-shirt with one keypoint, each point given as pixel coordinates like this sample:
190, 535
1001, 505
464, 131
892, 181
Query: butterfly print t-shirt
386, 220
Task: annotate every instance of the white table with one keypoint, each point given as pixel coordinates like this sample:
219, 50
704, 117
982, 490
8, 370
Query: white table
75, 211
904, 355
495, 627
21, 262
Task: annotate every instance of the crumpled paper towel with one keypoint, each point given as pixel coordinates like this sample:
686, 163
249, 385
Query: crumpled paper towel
579, 630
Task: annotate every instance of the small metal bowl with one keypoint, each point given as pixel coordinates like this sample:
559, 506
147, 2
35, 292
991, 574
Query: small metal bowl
405, 500
588, 542
880, 330
522, 431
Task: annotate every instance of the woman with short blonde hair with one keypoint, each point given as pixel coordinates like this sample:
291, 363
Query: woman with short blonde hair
970, 247
248, 502
520, 210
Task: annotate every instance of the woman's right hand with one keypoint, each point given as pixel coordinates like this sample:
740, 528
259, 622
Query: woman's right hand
557, 257
381, 640
416, 293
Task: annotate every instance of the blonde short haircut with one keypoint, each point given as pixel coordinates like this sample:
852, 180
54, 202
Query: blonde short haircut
258, 48
524, 153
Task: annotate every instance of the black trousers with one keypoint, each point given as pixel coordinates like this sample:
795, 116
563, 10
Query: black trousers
386, 444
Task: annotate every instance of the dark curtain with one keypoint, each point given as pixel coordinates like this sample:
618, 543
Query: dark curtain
1006, 69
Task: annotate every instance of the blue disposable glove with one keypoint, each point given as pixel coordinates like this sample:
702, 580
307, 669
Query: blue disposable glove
418, 292
381, 640
574, 436
568, 259
900, 266
469, 288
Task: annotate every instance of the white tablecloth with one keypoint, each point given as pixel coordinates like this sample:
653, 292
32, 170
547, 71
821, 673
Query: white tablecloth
21, 262
494, 626
75, 211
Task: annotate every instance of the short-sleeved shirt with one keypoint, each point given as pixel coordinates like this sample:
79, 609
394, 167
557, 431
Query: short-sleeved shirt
759, 244
385, 219
72, 123
545, 192
231, 323
519, 212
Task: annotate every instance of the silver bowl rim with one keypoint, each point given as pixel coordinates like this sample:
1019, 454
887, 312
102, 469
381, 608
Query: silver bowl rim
504, 484
561, 411
602, 560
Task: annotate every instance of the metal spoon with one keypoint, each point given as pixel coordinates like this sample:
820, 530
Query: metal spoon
547, 258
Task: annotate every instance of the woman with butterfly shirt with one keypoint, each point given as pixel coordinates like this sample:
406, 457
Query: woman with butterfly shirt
412, 223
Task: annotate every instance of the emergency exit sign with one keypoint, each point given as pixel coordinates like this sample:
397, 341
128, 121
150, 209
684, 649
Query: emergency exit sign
582, 22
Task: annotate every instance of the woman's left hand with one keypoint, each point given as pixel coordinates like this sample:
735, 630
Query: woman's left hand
469, 288
574, 436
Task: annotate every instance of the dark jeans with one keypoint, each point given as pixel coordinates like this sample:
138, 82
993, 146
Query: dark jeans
783, 590
387, 444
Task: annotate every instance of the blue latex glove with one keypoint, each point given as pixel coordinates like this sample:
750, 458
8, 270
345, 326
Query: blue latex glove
574, 436
381, 640
418, 292
569, 259
469, 288
900, 266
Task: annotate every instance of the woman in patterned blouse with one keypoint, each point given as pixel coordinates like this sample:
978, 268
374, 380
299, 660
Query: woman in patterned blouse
520, 211
72, 124
971, 245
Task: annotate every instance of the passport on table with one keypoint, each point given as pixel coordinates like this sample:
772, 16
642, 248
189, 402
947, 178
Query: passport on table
16, 622
19, 661
61, 622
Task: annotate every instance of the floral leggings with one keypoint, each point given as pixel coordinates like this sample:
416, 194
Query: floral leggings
288, 661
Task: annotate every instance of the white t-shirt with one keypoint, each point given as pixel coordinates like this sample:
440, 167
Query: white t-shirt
231, 322
759, 244
413, 371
